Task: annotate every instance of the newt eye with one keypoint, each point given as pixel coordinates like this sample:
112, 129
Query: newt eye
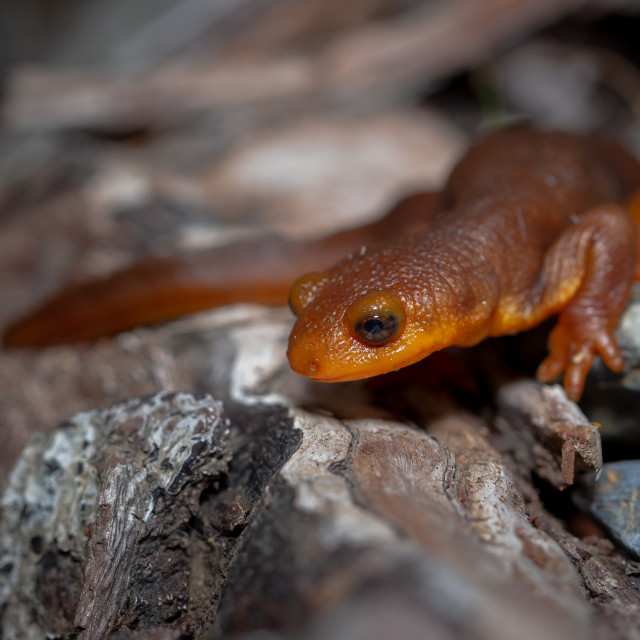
377, 329
377, 318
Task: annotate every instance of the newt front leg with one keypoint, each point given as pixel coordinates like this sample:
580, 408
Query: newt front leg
588, 274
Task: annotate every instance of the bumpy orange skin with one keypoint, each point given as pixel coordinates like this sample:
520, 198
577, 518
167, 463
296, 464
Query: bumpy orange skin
531, 226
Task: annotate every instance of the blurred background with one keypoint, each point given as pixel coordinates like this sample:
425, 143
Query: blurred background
132, 127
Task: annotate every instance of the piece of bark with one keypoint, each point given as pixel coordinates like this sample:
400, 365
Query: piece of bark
348, 522
554, 438
306, 524
496, 508
126, 517
362, 509
397, 540
41, 390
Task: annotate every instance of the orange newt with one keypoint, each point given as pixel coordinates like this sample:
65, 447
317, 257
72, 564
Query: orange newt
529, 225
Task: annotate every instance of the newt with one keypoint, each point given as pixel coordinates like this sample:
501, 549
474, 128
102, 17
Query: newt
529, 225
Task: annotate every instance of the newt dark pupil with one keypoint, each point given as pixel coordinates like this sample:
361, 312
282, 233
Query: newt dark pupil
377, 329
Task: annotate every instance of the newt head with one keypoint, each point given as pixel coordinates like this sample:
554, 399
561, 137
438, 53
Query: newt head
358, 319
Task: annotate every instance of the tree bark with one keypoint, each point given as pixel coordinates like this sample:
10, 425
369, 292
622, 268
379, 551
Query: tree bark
220, 517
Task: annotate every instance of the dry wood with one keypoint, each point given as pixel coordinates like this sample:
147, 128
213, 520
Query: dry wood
249, 516
556, 437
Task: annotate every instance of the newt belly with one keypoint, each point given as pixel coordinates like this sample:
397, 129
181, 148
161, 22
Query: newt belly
529, 225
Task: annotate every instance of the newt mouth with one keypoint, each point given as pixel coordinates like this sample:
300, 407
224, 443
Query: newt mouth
342, 370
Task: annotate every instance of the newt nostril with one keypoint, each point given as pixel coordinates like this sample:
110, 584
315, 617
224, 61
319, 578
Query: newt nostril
314, 365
